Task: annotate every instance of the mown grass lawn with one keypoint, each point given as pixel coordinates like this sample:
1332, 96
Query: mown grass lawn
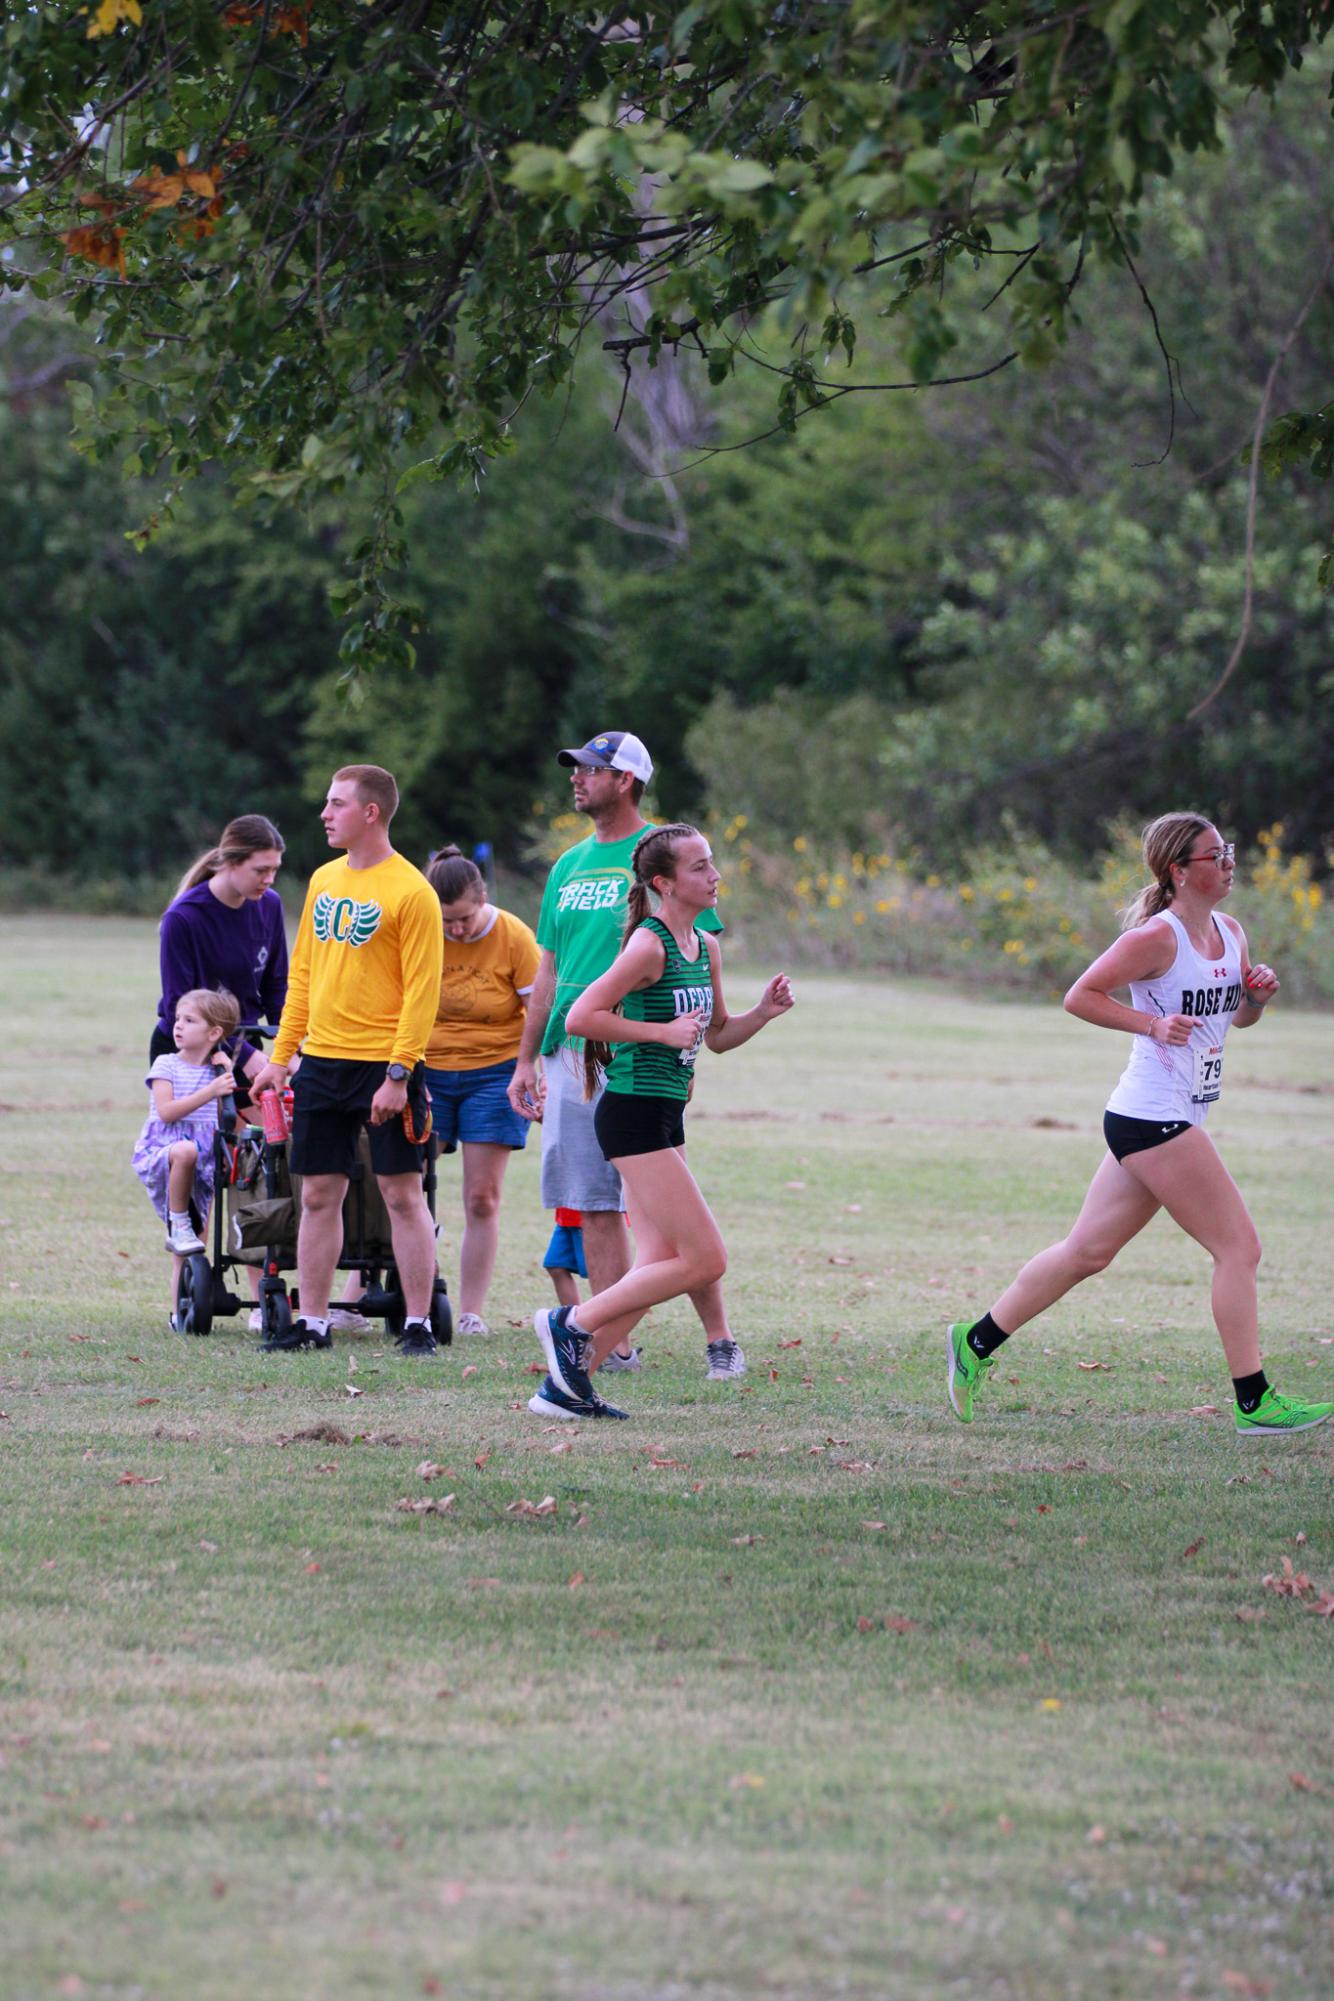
801, 1689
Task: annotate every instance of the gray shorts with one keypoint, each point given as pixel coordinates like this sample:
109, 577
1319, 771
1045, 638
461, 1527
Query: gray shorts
575, 1172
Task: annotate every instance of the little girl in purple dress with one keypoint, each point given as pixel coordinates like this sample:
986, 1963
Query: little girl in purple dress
173, 1156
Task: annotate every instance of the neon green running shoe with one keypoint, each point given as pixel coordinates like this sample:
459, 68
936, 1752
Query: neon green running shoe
966, 1370
1274, 1415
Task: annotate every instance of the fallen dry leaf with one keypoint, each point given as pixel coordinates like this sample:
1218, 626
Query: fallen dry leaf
1203, 1410
896, 1623
353, 1391
1287, 1583
745, 1452
875, 1525
562, 1445
1246, 1613
429, 1470
575, 1580
854, 1465
1090, 1366
1096, 1835
1193, 1548
480, 1461
471, 1370
791, 1344
1301, 1784
142, 1403
141, 1480
745, 1541
423, 1504
312, 1569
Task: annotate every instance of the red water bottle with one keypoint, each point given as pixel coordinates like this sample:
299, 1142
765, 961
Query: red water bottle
273, 1113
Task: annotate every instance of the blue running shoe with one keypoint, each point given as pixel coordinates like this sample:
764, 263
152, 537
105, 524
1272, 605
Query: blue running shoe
552, 1402
563, 1350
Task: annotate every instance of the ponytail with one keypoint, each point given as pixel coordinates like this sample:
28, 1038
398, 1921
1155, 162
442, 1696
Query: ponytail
1164, 843
654, 855
249, 834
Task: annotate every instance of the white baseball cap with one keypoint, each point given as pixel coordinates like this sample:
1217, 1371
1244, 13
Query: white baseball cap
614, 750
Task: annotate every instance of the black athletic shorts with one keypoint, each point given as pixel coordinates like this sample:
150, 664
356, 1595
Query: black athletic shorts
1125, 1135
331, 1102
626, 1122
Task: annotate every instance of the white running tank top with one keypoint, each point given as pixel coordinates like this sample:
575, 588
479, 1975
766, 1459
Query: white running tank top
1164, 1082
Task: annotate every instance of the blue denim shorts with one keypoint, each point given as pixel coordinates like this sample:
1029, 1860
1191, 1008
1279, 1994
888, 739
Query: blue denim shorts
471, 1105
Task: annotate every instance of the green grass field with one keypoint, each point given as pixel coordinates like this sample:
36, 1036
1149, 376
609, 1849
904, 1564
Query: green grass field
801, 1690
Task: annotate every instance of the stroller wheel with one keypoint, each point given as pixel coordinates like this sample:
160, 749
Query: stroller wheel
442, 1314
194, 1295
276, 1311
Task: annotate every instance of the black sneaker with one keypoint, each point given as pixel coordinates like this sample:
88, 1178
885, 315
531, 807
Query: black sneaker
563, 1349
417, 1339
297, 1335
553, 1402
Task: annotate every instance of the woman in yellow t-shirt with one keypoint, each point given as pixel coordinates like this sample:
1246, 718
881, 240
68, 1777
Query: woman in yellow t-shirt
491, 960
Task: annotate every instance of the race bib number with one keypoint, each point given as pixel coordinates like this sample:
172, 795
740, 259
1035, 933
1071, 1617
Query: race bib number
1208, 1080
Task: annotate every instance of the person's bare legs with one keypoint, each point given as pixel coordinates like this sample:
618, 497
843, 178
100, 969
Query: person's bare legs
1189, 1179
319, 1242
413, 1235
607, 1255
182, 1157
483, 1176
566, 1285
679, 1249
1115, 1209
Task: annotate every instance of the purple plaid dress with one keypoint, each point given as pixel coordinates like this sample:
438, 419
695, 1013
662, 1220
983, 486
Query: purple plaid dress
150, 1152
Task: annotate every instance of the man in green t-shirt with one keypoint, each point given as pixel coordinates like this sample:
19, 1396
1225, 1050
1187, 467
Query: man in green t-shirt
579, 933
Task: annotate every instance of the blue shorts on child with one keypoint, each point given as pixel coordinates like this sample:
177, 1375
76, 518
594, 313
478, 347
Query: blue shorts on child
565, 1252
472, 1106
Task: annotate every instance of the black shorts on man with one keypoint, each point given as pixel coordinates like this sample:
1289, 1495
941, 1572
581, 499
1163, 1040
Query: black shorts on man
331, 1102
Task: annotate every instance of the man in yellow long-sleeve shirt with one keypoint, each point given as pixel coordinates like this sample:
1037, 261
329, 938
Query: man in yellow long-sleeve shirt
361, 1001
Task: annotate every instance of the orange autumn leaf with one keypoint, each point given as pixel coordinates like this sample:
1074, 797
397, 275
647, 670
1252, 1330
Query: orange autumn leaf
292, 20
96, 246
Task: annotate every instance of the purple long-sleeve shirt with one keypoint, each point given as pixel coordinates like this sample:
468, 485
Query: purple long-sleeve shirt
205, 943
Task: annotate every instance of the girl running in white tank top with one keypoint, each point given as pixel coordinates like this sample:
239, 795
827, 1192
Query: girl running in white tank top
1190, 979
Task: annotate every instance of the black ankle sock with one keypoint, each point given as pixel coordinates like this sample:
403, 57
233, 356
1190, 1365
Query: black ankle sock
1250, 1389
985, 1337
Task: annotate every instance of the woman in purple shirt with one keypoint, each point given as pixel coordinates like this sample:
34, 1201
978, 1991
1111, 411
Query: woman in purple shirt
224, 928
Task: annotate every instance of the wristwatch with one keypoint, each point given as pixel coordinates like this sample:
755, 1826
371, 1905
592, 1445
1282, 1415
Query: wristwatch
397, 1073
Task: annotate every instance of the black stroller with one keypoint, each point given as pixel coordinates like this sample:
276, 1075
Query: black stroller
256, 1209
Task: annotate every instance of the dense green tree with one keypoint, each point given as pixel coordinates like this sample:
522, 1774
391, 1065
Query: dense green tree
312, 234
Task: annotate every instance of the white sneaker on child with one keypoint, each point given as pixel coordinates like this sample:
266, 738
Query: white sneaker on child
181, 1237
472, 1323
347, 1320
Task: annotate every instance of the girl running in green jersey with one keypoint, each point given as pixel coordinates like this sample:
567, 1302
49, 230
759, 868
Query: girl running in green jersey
646, 1020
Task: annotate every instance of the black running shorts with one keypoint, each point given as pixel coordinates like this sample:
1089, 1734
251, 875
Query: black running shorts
1125, 1135
627, 1122
331, 1102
